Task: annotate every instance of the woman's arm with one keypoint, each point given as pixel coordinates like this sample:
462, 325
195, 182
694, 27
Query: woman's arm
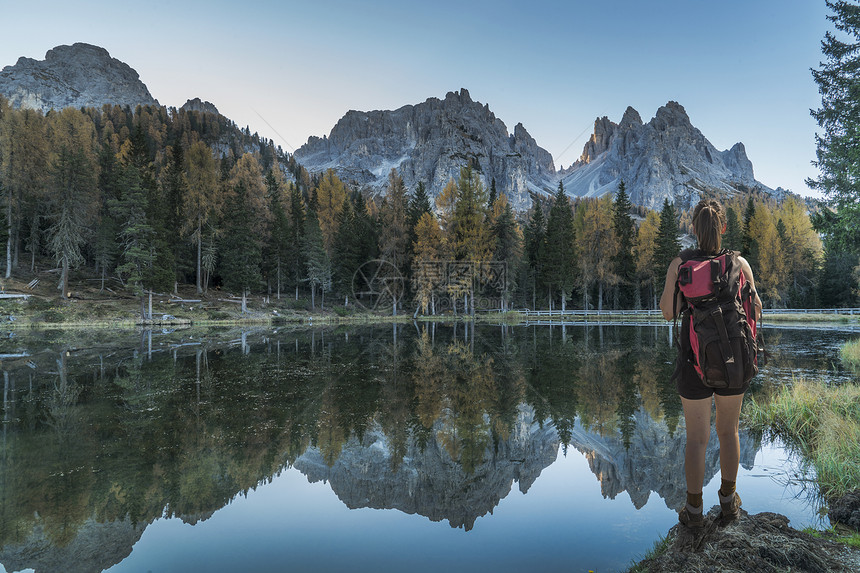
669, 290
747, 270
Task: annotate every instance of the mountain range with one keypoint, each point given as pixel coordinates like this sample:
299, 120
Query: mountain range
665, 158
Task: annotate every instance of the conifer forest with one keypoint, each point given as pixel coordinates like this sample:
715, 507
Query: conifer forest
156, 197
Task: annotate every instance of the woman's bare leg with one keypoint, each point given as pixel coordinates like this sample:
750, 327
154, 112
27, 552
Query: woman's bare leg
697, 418
728, 413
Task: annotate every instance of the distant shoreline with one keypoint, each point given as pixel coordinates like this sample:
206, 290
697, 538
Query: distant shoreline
54, 318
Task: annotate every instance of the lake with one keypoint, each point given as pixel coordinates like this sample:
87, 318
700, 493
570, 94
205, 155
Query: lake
420, 447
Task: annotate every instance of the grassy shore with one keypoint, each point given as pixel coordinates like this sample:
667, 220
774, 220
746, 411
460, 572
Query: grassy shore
820, 422
850, 354
96, 305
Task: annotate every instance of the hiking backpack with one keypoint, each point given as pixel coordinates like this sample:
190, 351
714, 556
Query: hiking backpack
722, 328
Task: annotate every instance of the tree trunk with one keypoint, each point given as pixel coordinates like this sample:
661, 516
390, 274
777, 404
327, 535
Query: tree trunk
9, 236
199, 255
599, 296
149, 312
244, 301
472, 298
313, 296
64, 279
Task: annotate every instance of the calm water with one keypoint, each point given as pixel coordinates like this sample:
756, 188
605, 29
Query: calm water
421, 448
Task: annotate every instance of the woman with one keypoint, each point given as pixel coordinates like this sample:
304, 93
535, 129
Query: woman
709, 223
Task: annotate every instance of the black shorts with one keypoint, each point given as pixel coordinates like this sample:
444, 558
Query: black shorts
690, 386
686, 378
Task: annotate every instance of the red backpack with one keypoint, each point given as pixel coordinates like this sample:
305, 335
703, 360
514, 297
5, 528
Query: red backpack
722, 327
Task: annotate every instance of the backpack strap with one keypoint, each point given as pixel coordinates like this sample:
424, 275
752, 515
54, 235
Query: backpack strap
725, 345
675, 311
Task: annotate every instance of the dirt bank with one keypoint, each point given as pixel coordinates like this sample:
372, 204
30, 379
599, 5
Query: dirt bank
761, 543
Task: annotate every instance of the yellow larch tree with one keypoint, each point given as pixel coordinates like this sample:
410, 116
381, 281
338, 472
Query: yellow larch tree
644, 248
771, 271
203, 200
802, 249
427, 263
330, 194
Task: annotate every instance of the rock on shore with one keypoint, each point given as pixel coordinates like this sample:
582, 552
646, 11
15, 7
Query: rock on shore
761, 543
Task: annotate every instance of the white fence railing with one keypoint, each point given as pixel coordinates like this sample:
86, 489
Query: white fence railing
658, 313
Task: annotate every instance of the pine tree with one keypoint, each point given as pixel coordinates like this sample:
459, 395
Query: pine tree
508, 245
733, 238
559, 257
345, 250
535, 242
493, 195
750, 248
295, 245
175, 188
319, 273
419, 204
135, 233
625, 233
246, 224
105, 246
275, 251
394, 233
838, 284
837, 155
668, 246
74, 186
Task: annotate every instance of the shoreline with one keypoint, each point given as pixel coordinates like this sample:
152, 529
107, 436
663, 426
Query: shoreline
24, 320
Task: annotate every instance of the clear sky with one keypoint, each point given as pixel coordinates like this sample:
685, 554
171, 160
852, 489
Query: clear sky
291, 69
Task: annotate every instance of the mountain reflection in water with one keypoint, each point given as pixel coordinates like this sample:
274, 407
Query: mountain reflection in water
100, 438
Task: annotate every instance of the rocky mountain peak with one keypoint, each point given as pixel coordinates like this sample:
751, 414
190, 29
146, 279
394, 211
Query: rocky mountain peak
80, 75
631, 117
462, 96
672, 114
666, 158
430, 142
77, 51
197, 105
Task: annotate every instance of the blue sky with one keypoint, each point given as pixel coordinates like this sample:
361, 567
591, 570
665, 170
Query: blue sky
291, 69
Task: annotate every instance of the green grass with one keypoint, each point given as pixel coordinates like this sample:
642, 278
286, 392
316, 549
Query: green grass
812, 317
850, 354
821, 423
851, 538
660, 547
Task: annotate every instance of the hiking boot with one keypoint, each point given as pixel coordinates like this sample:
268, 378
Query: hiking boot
691, 519
730, 506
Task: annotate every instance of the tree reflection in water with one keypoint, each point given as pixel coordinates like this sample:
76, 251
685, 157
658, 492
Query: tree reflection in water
435, 419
